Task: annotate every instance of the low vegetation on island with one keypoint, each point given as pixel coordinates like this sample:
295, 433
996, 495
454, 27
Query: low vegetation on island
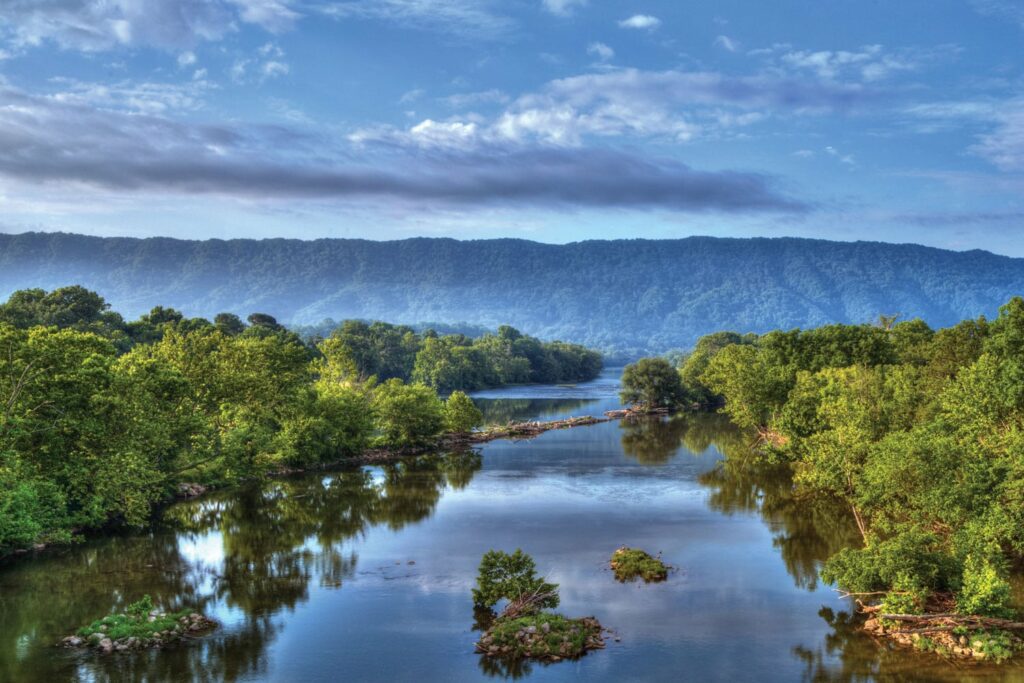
919, 433
140, 626
630, 564
101, 419
523, 629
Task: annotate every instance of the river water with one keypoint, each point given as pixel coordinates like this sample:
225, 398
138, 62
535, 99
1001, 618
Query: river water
364, 574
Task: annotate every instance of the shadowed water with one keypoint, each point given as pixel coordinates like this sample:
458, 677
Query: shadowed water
365, 573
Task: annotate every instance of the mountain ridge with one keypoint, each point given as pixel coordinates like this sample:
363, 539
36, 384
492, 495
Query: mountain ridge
635, 294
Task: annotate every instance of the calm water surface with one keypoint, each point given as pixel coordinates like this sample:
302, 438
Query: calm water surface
365, 574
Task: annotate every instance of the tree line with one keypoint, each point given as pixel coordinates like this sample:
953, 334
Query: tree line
457, 361
101, 418
918, 433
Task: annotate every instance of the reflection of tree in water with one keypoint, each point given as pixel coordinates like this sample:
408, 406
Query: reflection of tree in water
860, 658
499, 411
807, 530
275, 536
651, 440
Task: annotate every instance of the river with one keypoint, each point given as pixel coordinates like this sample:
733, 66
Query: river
364, 573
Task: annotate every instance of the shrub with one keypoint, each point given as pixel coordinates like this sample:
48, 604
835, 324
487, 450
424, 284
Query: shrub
631, 563
460, 414
984, 591
512, 577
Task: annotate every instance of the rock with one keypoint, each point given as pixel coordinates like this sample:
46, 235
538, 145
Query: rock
72, 641
963, 641
871, 624
545, 627
532, 629
106, 645
151, 618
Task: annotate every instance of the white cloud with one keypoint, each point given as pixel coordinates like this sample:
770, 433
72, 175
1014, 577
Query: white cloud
601, 51
410, 96
869, 63
1003, 146
727, 43
476, 18
804, 154
641, 21
469, 99
843, 158
273, 69
562, 7
186, 59
94, 25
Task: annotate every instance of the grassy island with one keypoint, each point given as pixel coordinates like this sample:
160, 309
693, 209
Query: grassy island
632, 563
140, 626
523, 630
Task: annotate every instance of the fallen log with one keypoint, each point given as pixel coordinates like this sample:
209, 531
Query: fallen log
953, 619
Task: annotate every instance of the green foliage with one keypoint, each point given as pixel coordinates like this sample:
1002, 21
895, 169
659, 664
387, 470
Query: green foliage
632, 563
407, 414
997, 645
651, 383
504, 576
100, 420
541, 636
135, 622
984, 590
460, 414
910, 561
457, 362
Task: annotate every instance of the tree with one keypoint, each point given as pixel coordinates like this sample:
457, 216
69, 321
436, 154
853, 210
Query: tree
407, 414
460, 414
651, 383
512, 577
229, 323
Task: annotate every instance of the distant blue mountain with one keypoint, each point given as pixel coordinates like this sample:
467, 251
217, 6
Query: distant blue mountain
628, 295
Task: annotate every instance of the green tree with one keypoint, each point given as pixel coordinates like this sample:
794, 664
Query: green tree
512, 577
407, 414
460, 413
651, 383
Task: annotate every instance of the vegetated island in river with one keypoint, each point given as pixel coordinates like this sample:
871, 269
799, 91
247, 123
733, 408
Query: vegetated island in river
918, 433
139, 627
524, 629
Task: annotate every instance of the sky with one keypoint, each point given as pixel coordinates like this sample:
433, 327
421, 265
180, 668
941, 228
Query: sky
550, 120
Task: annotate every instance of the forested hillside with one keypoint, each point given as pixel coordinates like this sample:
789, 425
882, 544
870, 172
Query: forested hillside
627, 295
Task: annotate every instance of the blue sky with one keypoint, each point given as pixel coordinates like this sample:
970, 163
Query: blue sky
553, 120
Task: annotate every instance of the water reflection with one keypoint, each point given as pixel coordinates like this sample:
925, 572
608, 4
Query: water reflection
312, 576
499, 411
242, 555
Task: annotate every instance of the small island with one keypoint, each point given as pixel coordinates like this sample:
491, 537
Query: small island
523, 630
140, 626
630, 564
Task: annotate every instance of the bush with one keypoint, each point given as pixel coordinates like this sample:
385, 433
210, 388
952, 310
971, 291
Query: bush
460, 414
512, 577
984, 591
407, 414
631, 563
651, 383
910, 558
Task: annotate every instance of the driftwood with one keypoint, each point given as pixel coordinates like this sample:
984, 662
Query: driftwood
948, 621
524, 430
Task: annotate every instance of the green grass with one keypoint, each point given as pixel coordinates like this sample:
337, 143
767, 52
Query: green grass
541, 636
631, 563
997, 645
135, 623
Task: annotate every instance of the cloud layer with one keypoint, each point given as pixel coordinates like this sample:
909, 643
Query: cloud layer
53, 140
